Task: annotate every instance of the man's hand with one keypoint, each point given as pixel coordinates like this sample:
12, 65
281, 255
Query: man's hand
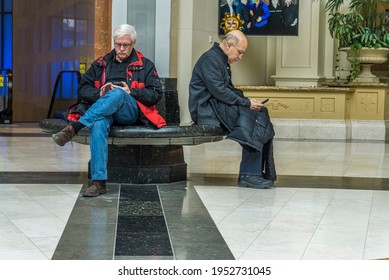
256, 105
110, 86
124, 87
104, 89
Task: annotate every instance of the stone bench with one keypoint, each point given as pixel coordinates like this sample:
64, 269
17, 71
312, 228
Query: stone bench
145, 154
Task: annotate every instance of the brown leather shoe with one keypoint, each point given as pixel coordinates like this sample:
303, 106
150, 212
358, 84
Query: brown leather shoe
64, 136
95, 189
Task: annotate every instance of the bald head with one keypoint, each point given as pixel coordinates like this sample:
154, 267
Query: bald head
235, 37
234, 45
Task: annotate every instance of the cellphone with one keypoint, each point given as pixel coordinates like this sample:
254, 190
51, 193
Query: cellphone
117, 83
264, 101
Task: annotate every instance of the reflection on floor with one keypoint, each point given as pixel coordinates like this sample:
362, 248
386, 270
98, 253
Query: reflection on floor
330, 202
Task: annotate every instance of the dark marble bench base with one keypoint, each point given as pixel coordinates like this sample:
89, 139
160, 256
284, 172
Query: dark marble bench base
146, 164
146, 155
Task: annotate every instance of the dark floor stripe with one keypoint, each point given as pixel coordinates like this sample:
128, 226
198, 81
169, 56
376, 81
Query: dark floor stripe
285, 181
180, 229
15, 134
141, 227
43, 177
291, 181
326, 182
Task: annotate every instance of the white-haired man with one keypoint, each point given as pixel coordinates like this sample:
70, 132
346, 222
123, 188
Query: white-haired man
121, 87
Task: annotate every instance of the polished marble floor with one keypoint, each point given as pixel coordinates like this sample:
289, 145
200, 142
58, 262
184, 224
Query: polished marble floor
331, 201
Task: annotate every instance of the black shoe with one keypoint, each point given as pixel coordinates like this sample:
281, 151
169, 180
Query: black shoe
256, 182
271, 177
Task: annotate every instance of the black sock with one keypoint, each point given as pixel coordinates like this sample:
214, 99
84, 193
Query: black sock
77, 126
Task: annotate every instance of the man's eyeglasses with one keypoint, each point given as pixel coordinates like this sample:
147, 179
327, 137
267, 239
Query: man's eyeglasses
240, 52
124, 45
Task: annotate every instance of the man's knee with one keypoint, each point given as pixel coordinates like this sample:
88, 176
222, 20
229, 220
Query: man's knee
117, 93
101, 125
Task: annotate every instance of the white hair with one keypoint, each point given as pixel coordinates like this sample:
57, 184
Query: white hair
125, 29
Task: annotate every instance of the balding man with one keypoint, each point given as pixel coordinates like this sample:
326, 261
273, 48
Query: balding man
213, 100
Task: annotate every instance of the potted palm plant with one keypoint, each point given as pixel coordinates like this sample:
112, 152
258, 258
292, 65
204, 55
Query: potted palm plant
362, 31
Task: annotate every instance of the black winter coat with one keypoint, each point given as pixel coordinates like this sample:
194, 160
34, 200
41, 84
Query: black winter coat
251, 128
214, 100
142, 79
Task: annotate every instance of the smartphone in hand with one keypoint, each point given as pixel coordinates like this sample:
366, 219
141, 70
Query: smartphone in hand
117, 83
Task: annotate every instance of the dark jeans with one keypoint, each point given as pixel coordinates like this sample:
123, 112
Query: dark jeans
251, 163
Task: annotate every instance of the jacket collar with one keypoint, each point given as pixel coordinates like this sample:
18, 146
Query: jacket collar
135, 57
216, 48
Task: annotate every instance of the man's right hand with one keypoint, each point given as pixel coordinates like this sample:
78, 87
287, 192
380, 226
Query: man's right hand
255, 104
104, 89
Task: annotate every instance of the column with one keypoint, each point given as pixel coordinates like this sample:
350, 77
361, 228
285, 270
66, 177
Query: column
304, 60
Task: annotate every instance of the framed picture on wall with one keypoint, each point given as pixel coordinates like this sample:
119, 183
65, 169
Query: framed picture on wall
259, 17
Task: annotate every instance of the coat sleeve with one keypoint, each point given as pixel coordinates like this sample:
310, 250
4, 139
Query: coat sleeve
216, 80
88, 91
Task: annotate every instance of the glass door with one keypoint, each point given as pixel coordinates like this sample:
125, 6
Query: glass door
6, 61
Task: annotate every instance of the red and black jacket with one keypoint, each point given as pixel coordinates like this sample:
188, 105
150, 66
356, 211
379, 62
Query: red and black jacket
142, 79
